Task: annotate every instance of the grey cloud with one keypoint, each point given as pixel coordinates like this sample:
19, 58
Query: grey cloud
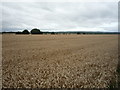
54, 15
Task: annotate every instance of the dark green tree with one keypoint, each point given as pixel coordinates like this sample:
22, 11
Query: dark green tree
36, 31
25, 31
78, 33
18, 32
52, 32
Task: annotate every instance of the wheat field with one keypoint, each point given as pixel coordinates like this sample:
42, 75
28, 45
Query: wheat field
59, 61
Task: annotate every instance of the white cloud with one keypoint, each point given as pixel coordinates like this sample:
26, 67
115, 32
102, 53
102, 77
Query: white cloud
60, 0
85, 16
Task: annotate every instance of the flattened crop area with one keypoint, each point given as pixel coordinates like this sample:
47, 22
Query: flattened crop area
59, 61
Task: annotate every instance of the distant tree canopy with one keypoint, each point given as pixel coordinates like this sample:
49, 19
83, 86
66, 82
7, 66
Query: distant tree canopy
36, 31
78, 33
18, 32
25, 31
52, 32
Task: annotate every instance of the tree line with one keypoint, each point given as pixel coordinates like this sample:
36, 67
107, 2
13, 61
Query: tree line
37, 31
33, 31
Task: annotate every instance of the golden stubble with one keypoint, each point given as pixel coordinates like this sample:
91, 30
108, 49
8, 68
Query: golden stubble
59, 61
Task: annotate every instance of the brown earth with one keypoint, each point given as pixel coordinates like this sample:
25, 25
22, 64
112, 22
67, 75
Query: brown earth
58, 61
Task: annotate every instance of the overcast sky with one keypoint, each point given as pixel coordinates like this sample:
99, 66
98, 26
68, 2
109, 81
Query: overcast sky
60, 16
